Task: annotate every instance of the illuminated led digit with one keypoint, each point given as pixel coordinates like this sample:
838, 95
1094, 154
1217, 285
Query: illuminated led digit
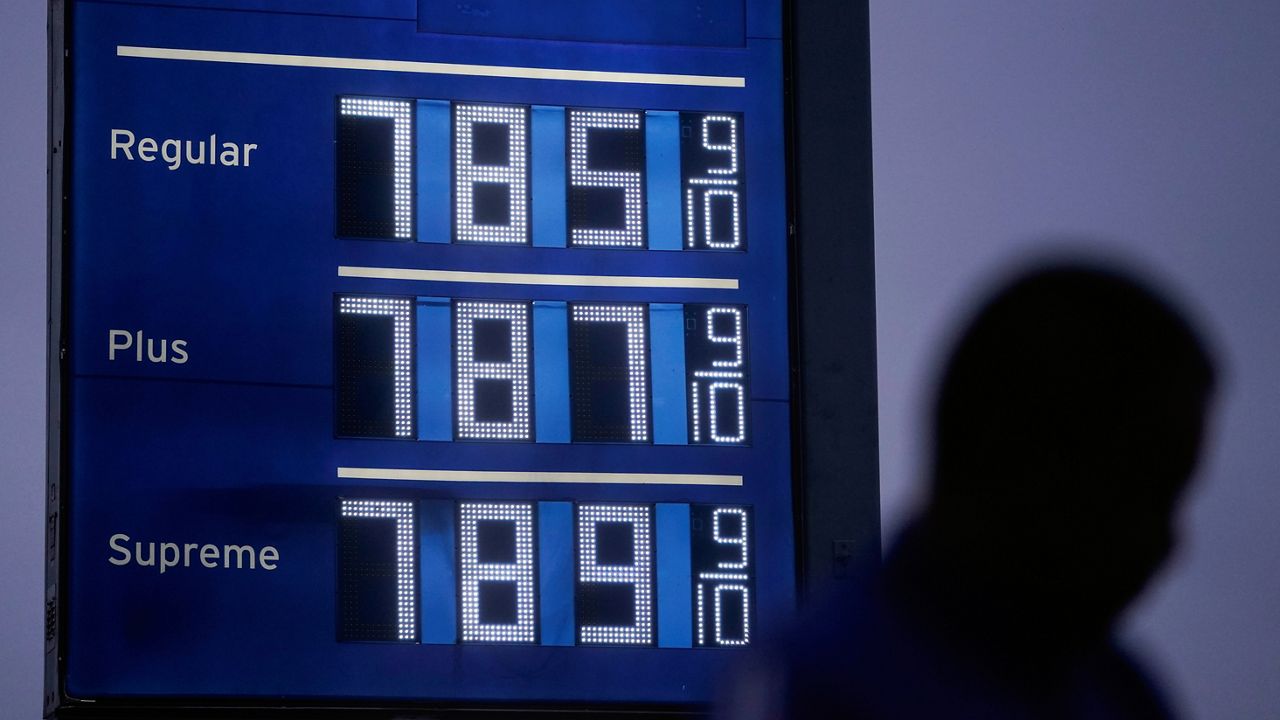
491, 364
717, 374
720, 575
364, 164
709, 198
615, 575
735, 339
717, 391
496, 561
740, 540
722, 638
606, 178
491, 173
730, 147
354, 571
712, 182
595, 332
360, 379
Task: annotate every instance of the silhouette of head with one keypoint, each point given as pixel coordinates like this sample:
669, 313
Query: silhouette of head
1067, 427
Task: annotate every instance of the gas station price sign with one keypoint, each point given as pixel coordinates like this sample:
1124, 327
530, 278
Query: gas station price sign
421, 352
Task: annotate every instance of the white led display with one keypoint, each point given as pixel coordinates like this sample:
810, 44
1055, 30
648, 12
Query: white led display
714, 399
694, 412
730, 147
721, 638
718, 583
639, 573
400, 309
513, 174
690, 219
735, 339
708, 196
630, 182
401, 114
724, 384
740, 540
730, 576
719, 186
637, 357
406, 572
468, 370
474, 572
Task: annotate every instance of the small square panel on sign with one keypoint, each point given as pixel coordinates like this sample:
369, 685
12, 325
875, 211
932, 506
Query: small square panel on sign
494, 400
615, 543
496, 541
491, 204
614, 149
491, 340
607, 604
602, 207
498, 602
490, 144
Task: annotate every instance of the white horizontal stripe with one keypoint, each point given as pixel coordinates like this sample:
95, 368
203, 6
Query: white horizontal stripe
490, 476
462, 276
428, 68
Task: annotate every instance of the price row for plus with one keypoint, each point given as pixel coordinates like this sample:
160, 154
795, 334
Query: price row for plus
443, 171
433, 368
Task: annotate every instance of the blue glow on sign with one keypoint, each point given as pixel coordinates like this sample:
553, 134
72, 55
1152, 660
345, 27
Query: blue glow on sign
479, 340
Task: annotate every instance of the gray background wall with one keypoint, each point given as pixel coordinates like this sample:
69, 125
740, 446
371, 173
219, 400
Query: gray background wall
22, 355
1003, 130
1152, 128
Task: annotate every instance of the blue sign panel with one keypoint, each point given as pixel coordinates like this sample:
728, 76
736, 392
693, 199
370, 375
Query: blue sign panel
425, 355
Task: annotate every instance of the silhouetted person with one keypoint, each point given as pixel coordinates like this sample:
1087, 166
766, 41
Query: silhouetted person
1067, 426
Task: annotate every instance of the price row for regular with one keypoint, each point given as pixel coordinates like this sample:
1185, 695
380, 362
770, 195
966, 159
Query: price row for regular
550, 573
542, 371
463, 172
